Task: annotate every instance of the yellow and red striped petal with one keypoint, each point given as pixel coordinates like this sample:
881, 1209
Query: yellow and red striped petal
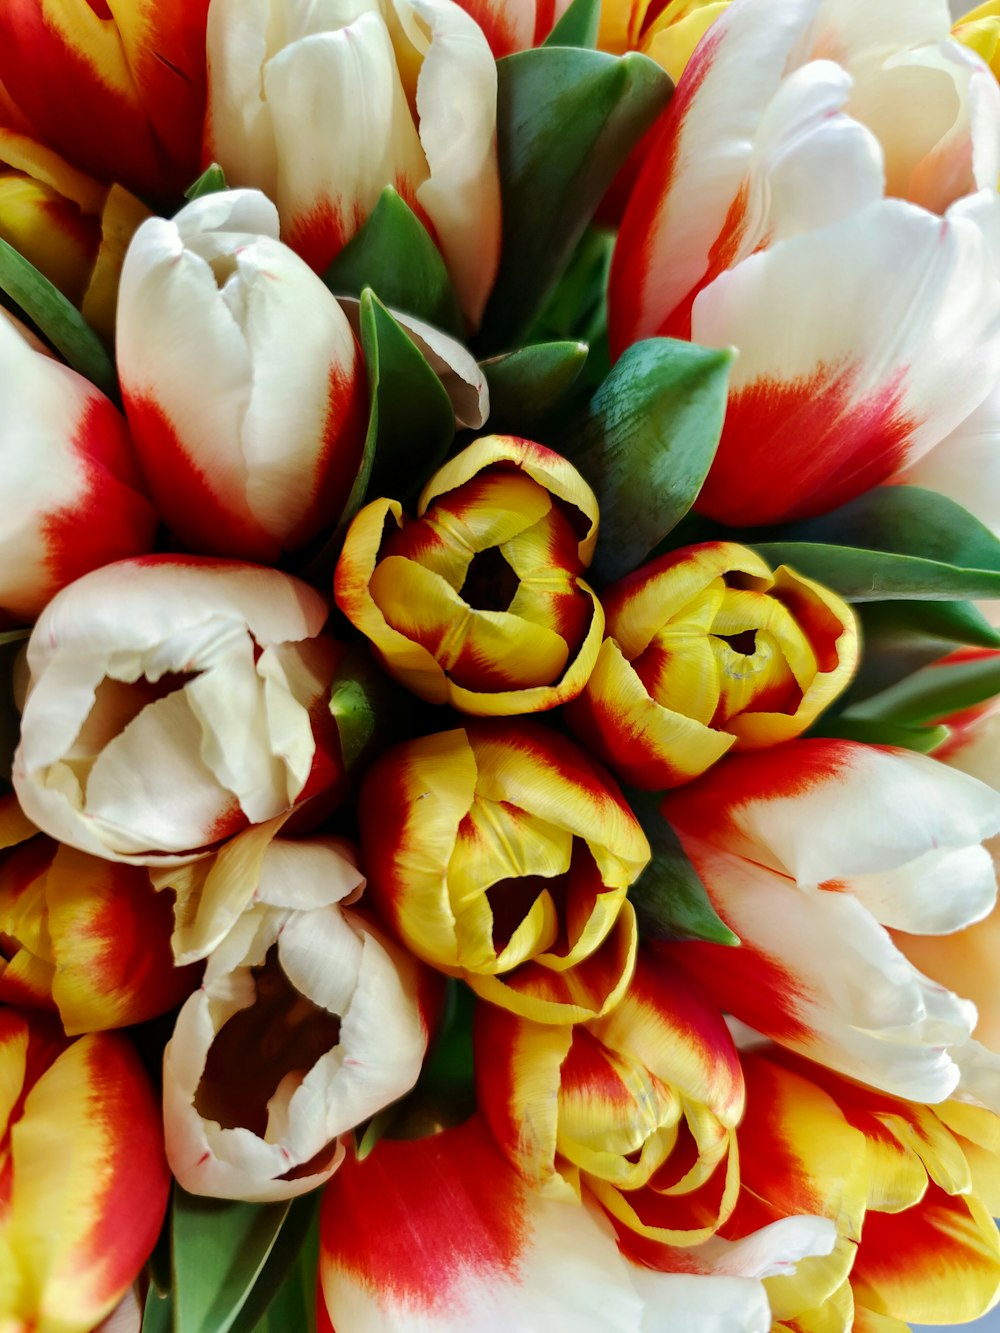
86, 1147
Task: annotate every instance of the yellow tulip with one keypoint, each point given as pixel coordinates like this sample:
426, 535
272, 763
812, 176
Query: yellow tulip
667, 33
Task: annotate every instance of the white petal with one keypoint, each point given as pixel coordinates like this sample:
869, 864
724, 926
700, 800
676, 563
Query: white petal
965, 466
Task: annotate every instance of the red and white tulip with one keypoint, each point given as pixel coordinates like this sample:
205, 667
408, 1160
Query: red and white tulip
811, 852
74, 499
868, 326
173, 701
335, 1014
263, 455
398, 74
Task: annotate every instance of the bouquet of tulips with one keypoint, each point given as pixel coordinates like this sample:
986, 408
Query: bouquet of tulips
499, 665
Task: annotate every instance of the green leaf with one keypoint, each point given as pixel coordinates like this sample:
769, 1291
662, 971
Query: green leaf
874, 576
652, 433
906, 520
528, 384
211, 181
57, 319
933, 692
941, 622
566, 121
280, 1272
670, 900
578, 26
220, 1249
365, 705
879, 732
394, 255
158, 1312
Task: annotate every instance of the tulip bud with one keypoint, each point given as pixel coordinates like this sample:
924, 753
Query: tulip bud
706, 650
639, 1107
336, 1017
118, 90
85, 1179
73, 500
667, 33
172, 702
502, 855
86, 937
396, 72
478, 601
212, 298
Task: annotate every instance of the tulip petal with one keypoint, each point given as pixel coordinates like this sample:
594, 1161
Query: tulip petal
849, 369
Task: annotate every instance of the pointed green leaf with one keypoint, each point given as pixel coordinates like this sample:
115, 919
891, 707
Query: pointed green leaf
57, 319
566, 121
670, 900
873, 731
211, 181
578, 26
394, 255
942, 622
528, 384
933, 692
219, 1251
158, 1311
906, 520
874, 576
653, 429
280, 1270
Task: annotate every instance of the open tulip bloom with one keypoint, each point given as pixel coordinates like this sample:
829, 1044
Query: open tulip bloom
499, 666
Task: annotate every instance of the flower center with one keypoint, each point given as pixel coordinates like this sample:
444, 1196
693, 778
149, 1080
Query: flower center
490, 583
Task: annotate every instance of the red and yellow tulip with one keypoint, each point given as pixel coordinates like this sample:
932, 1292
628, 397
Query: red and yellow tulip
86, 937
708, 650
638, 1107
118, 90
501, 854
666, 32
979, 30
910, 1188
85, 1180
479, 601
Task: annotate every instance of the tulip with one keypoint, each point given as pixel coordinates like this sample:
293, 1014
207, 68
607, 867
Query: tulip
809, 852
773, 234
173, 701
909, 1188
441, 1234
667, 33
399, 73
72, 501
120, 92
478, 601
502, 855
979, 30
639, 1107
86, 938
212, 297
334, 1015
708, 650
515, 25
86, 1182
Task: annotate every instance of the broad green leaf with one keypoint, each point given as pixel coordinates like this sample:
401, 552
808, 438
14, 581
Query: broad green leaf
874, 576
280, 1272
933, 692
394, 256
211, 181
879, 732
906, 520
941, 622
158, 1312
670, 900
578, 26
566, 121
366, 705
652, 432
57, 319
528, 384
219, 1252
